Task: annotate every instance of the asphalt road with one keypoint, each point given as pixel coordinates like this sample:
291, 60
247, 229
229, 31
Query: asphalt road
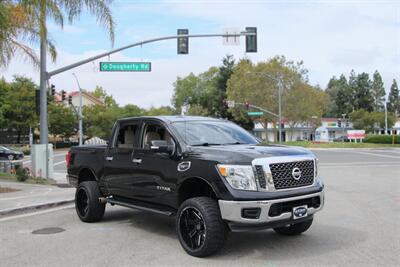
359, 226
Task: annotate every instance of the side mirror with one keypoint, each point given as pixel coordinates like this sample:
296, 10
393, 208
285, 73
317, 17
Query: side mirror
161, 146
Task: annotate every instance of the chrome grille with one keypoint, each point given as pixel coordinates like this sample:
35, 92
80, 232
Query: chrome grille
260, 176
282, 174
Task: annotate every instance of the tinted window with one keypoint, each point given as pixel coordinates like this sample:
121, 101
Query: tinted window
126, 136
155, 132
213, 133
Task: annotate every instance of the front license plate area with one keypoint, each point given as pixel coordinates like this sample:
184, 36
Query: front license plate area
300, 212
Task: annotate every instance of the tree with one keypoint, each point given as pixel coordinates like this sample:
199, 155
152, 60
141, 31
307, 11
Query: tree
363, 98
302, 103
378, 92
258, 84
19, 106
369, 121
16, 28
28, 18
394, 98
4, 90
100, 93
197, 90
225, 72
163, 110
62, 120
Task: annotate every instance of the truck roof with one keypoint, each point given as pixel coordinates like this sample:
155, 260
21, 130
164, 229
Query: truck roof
175, 118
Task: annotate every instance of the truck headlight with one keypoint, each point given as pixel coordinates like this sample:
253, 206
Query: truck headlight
316, 167
239, 176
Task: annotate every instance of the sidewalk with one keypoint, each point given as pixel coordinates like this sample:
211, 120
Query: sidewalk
31, 197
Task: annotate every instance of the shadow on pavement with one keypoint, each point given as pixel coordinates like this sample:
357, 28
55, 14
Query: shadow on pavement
266, 244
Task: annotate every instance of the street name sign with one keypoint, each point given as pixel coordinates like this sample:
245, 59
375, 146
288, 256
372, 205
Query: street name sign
125, 66
255, 113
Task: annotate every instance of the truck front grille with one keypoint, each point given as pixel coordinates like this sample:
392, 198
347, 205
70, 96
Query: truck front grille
260, 176
283, 178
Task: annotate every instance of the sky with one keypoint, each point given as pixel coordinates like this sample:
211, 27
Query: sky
330, 37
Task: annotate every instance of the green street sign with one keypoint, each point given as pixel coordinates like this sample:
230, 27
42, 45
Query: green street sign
125, 66
255, 113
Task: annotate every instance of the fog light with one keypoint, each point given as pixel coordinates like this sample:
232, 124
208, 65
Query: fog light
251, 213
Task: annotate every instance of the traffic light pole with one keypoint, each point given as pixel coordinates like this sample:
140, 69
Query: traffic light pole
79, 63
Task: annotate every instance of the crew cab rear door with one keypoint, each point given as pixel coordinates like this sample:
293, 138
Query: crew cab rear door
119, 171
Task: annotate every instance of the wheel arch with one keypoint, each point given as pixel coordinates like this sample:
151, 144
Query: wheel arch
86, 174
195, 187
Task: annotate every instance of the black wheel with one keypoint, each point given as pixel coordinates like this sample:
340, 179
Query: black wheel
294, 229
10, 157
87, 204
200, 228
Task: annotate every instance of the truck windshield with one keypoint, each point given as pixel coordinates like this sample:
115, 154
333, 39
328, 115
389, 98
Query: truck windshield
208, 133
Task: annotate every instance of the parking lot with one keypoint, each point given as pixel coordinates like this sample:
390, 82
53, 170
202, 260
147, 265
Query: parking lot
359, 226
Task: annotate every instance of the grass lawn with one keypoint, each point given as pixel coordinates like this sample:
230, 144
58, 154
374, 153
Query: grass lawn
337, 145
13, 177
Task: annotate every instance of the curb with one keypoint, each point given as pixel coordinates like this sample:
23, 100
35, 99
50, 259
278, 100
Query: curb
33, 208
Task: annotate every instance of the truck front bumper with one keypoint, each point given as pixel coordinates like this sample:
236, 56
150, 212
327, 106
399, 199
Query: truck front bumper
248, 215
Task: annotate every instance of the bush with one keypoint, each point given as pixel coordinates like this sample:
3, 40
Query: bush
22, 174
381, 139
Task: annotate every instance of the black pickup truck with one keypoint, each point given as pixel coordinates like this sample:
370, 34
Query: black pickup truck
211, 174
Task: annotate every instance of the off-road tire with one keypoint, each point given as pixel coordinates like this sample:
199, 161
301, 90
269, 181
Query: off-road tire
90, 209
294, 229
215, 230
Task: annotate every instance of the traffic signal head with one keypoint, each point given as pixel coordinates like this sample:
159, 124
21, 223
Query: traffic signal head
183, 42
62, 95
70, 100
251, 40
339, 123
247, 105
53, 89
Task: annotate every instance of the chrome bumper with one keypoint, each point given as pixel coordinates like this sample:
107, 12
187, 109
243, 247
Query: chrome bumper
232, 210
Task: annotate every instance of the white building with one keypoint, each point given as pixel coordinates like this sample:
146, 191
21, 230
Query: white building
302, 131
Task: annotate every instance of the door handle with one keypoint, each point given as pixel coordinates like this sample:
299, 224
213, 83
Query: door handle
109, 158
137, 161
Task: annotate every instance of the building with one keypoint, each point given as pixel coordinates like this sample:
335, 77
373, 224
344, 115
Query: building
302, 131
87, 99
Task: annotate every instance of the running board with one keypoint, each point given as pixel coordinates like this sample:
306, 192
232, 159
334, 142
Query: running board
134, 204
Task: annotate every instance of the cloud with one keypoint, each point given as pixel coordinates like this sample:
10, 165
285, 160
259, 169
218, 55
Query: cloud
330, 37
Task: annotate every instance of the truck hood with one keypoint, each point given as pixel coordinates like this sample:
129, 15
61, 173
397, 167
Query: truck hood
244, 154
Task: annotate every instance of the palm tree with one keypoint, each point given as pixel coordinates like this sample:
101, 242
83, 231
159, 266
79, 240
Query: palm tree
25, 21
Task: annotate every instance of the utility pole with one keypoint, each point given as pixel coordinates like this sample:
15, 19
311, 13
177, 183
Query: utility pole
80, 112
280, 84
386, 119
343, 122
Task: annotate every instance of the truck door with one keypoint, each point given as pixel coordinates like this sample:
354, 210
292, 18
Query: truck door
156, 172
119, 171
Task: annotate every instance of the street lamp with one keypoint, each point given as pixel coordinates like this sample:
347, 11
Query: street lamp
80, 112
279, 81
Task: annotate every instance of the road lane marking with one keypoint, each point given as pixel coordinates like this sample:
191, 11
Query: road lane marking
376, 155
59, 163
360, 166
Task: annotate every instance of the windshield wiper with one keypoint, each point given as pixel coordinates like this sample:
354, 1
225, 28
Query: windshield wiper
206, 144
235, 143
